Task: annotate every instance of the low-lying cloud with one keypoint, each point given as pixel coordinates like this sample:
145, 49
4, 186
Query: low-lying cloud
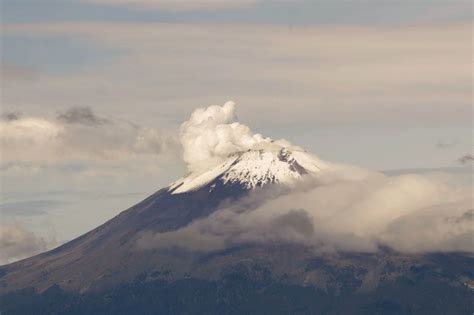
343, 208
409, 213
17, 243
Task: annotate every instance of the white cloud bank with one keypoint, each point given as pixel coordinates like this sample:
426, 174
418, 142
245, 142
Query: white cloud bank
78, 134
345, 208
409, 213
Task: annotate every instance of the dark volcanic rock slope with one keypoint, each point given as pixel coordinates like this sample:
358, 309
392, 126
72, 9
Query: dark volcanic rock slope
110, 250
109, 253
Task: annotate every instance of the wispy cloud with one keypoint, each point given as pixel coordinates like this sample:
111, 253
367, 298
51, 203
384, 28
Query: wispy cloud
81, 115
465, 159
78, 133
318, 74
16, 243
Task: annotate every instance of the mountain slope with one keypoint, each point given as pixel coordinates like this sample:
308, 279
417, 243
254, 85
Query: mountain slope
99, 272
110, 251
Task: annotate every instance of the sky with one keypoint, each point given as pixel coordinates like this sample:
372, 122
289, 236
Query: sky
384, 85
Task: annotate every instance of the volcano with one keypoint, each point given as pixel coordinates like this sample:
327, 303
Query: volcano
105, 271
108, 254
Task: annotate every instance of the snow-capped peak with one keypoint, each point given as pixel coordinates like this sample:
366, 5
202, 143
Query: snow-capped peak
254, 168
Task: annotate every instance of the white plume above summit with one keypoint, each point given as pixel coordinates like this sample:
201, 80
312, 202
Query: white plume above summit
212, 134
217, 147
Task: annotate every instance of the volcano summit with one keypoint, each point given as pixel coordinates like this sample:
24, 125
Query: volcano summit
254, 168
261, 226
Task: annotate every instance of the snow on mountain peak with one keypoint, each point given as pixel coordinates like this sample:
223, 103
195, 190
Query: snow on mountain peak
217, 148
254, 168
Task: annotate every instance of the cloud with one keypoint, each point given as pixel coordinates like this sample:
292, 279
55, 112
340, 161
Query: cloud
212, 134
444, 145
465, 159
27, 138
81, 115
17, 243
9, 116
343, 208
434, 229
343, 212
318, 75
79, 133
176, 5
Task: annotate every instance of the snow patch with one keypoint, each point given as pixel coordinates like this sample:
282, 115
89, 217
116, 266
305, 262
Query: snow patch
195, 181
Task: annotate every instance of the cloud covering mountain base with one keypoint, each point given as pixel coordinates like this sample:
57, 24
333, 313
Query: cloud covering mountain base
409, 213
343, 208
